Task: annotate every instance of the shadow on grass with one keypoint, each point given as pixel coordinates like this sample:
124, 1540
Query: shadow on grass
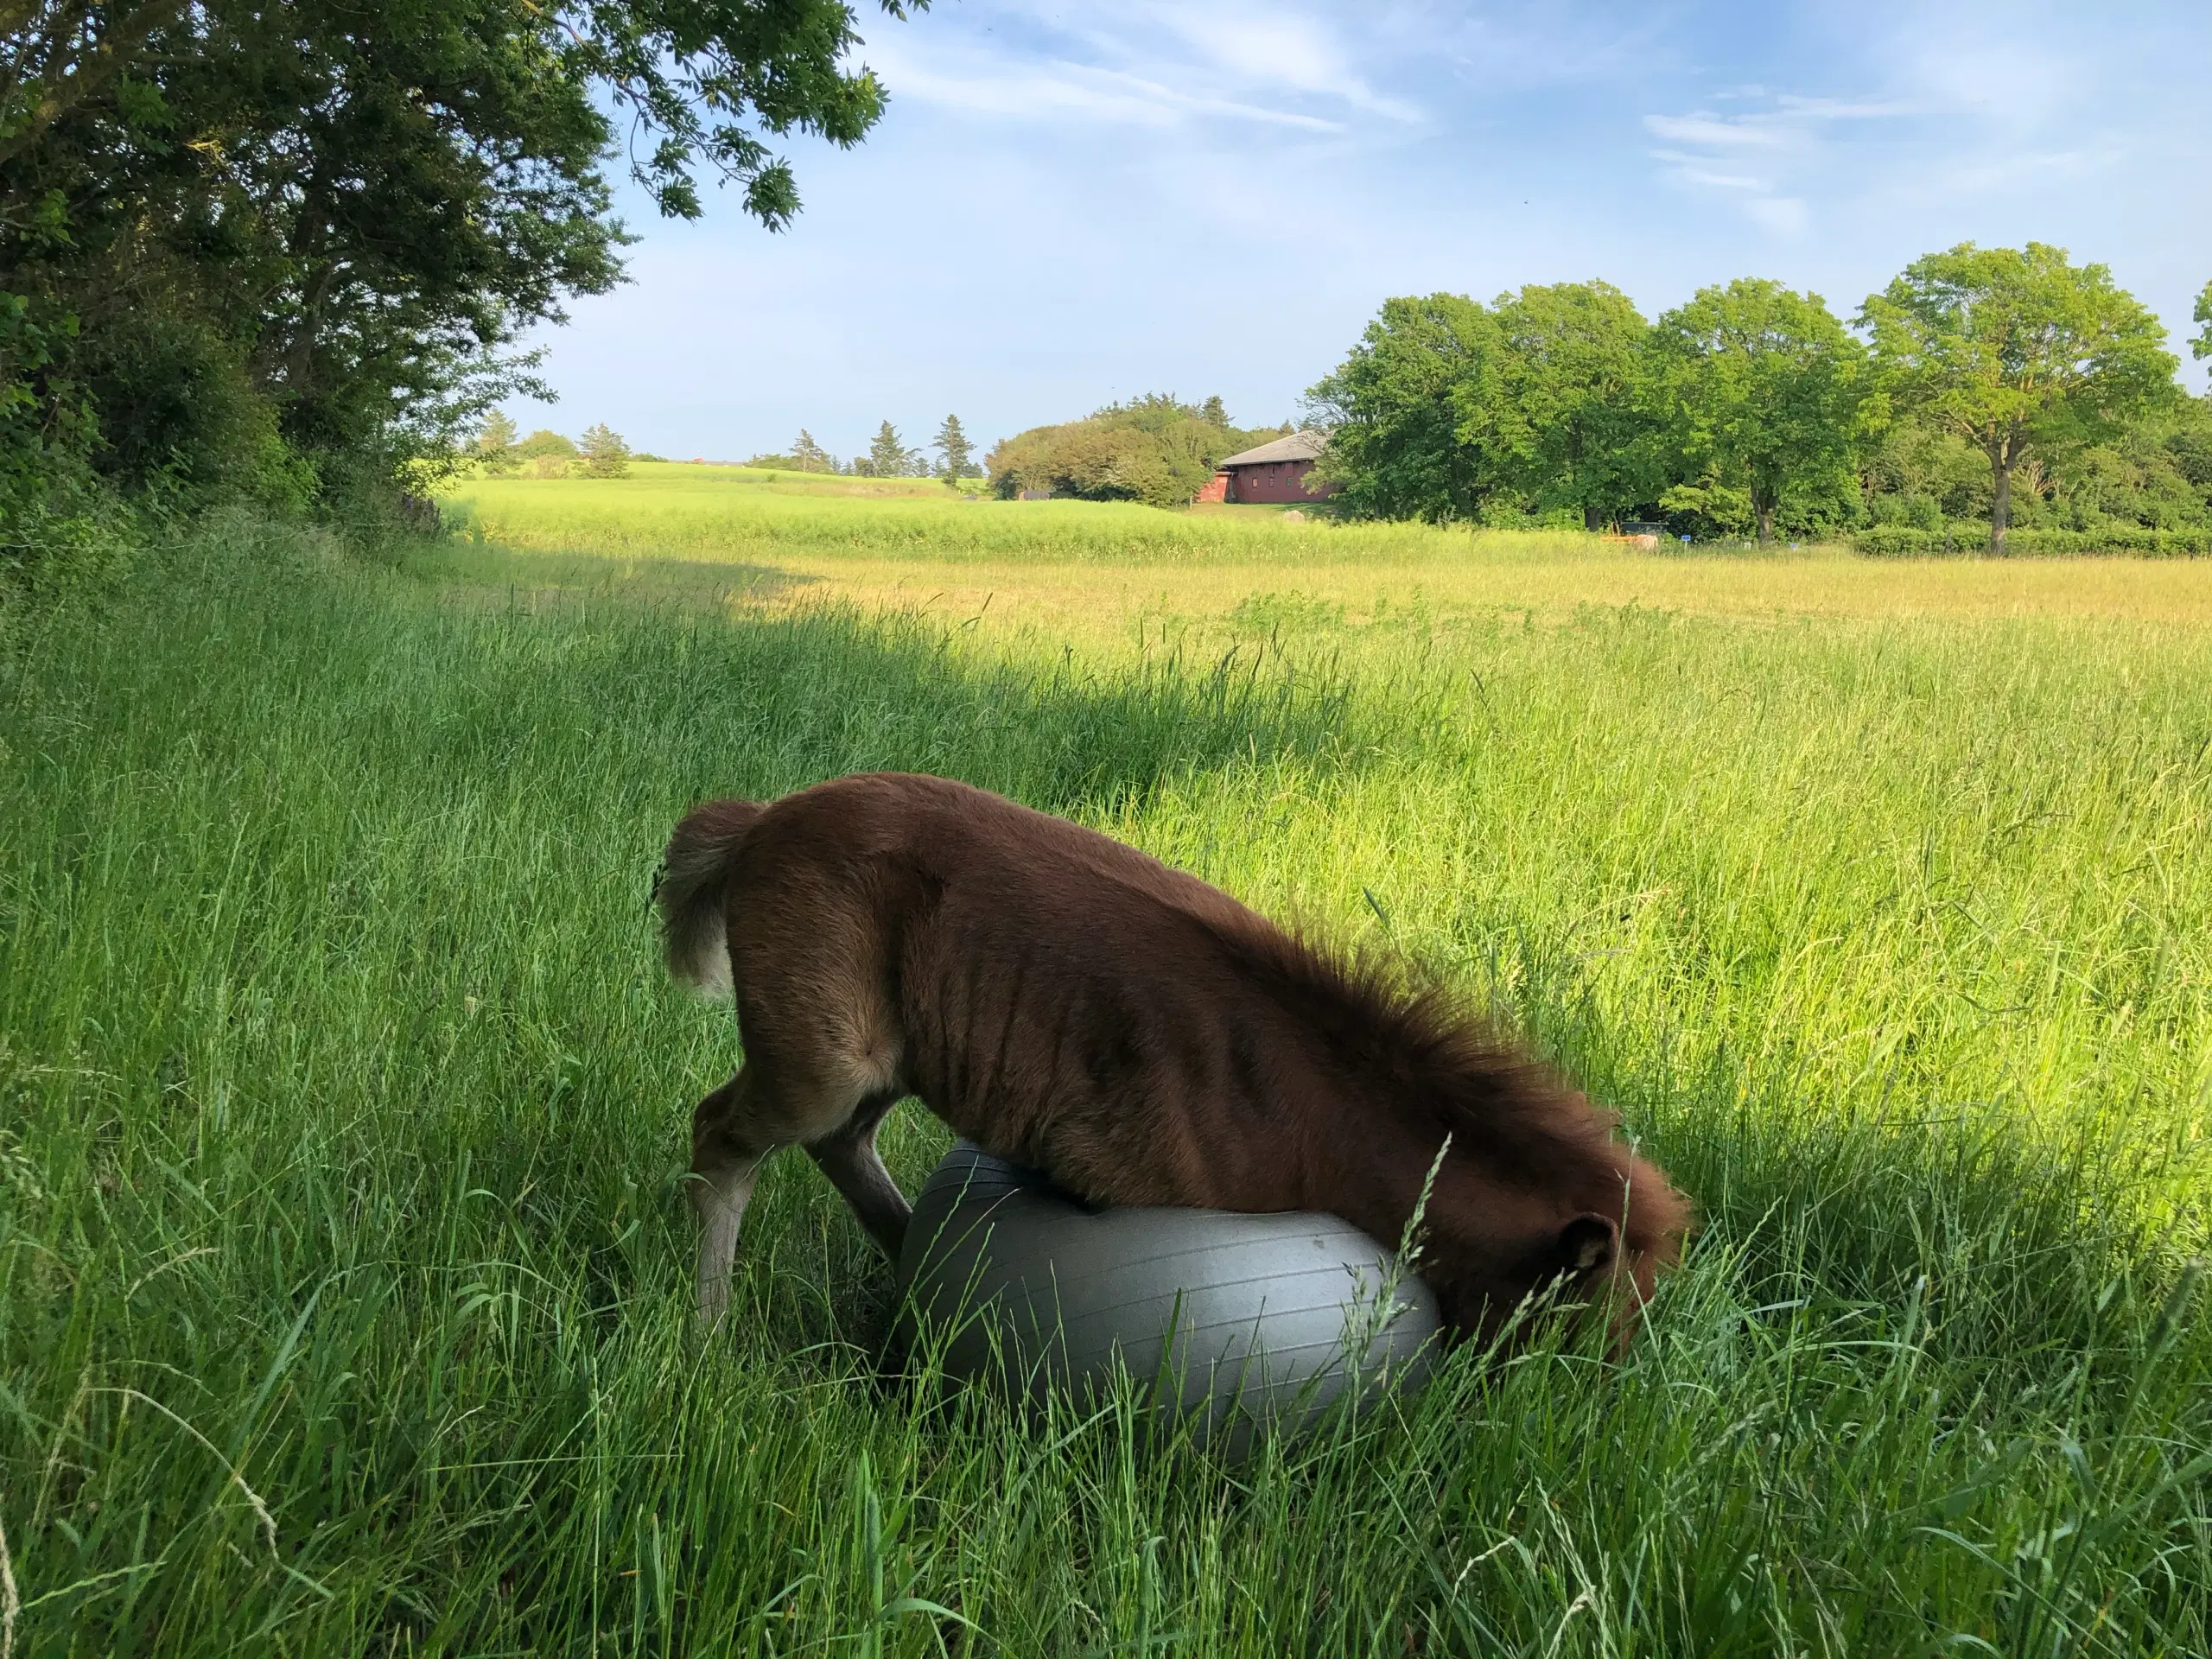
759, 704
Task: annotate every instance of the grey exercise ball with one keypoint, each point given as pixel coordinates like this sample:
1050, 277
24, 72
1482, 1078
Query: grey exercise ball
1233, 1319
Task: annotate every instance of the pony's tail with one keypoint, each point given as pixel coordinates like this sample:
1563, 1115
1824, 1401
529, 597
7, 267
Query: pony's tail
689, 891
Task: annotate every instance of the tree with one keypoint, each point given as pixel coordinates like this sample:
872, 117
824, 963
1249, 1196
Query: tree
956, 455
1551, 406
708, 79
549, 453
605, 455
1393, 412
1759, 390
887, 456
2201, 347
2021, 353
543, 443
495, 443
809, 456
320, 229
1156, 449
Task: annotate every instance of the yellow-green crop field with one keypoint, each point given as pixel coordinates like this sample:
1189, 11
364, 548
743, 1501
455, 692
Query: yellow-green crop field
343, 1274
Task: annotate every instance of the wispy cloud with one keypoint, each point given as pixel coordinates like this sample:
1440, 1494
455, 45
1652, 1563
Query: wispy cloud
1961, 65
1057, 91
1959, 108
1689, 173
1837, 109
1718, 132
1154, 65
1273, 48
1788, 136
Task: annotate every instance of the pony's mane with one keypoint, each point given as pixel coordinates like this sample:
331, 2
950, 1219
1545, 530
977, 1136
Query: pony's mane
1439, 1064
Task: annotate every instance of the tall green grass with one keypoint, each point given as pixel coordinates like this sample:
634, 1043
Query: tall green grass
343, 1283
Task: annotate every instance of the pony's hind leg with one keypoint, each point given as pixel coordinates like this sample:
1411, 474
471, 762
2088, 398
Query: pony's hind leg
728, 1149
734, 1129
849, 1159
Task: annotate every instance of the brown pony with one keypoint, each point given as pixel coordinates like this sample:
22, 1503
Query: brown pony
1070, 1004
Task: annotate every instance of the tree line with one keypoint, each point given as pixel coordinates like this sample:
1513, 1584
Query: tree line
499, 451
1154, 449
1994, 386
887, 456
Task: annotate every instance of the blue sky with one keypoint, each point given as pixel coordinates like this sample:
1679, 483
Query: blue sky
1068, 204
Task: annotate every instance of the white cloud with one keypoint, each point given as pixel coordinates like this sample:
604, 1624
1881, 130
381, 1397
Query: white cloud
1155, 64
1056, 91
1714, 131
1719, 181
1836, 109
1276, 48
1790, 137
1697, 169
2021, 171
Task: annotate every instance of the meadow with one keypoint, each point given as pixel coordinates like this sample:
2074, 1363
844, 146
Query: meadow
344, 1284
1085, 571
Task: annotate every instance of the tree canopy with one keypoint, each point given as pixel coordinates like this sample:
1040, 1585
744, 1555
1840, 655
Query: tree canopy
1155, 449
1758, 390
1448, 409
2019, 352
1551, 405
1981, 384
1394, 413
253, 246
495, 443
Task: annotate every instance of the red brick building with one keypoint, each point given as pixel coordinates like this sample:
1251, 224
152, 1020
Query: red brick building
1273, 472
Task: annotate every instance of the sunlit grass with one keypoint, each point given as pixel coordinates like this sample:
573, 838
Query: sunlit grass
1092, 569
682, 512
343, 1284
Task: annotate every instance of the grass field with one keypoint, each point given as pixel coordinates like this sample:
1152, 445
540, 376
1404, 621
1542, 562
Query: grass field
343, 1279
1090, 571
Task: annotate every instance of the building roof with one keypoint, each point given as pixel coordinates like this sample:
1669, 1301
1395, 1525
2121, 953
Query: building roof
1299, 445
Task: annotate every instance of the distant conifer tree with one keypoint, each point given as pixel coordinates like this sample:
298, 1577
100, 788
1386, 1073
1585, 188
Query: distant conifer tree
605, 455
495, 443
811, 457
956, 456
887, 456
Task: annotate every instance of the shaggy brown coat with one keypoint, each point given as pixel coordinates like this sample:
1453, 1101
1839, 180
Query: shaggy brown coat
1070, 1004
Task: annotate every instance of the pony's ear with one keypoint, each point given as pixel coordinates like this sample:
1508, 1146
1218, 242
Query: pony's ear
1588, 1244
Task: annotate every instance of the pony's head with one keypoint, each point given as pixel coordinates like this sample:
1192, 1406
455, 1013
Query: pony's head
1589, 1233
